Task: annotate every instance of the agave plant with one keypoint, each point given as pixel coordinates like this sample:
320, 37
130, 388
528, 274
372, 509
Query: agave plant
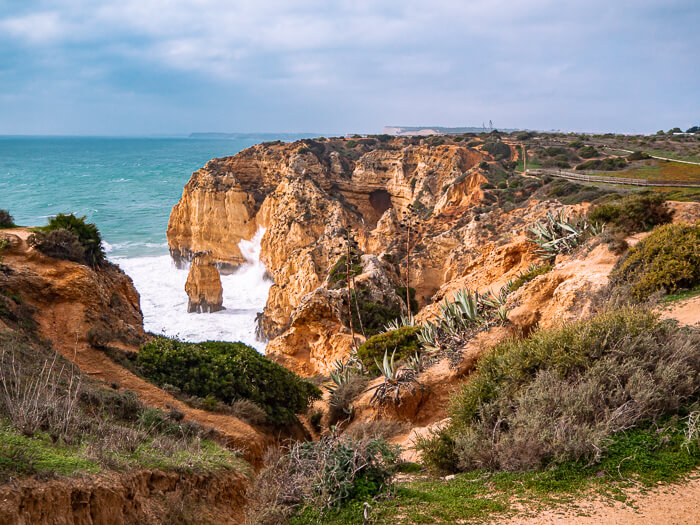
387, 367
339, 376
400, 322
414, 362
559, 235
395, 379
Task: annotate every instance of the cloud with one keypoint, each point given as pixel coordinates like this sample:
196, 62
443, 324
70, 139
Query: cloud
538, 62
35, 29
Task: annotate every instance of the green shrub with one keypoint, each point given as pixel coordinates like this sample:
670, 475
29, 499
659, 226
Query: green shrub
668, 259
60, 244
499, 150
228, 372
609, 164
338, 274
530, 274
404, 340
554, 151
401, 292
88, 235
561, 394
633, 213
6, 220
588, 152
638, 155
375, 315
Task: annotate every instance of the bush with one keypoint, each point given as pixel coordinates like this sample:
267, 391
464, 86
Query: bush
560, 394
668, 259
341, 398
530, 274
588, 152
60, 244
609, 164
248, 412
404, 340
638, 155
375, 315
228, 372
6, 220
499, 150
318, 476
634, 213
87, 233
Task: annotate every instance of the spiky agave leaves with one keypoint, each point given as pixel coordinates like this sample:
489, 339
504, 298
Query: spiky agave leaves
388, 367
395, 379
339, 376
559, 235
400, 322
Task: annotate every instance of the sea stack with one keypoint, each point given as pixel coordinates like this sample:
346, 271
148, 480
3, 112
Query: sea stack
203, 285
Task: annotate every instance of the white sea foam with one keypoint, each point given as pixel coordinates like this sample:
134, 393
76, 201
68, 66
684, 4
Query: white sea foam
164, 301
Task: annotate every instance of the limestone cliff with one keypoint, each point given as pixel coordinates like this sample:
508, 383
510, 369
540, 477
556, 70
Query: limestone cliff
203, 286
309, 195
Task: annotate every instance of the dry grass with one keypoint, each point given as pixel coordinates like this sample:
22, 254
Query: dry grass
40, 400
320, 476
561, 394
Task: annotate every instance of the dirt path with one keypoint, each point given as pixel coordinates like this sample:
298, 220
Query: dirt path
677, 504
687, 312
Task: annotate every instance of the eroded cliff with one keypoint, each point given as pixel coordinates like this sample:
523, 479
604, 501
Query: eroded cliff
315, 196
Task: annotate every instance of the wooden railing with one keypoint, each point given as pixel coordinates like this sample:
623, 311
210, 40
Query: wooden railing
613, 180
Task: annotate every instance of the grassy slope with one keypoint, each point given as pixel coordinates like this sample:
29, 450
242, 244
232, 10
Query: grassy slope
636, 458
657, 170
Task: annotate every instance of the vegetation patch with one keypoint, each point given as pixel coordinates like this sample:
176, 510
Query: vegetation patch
6, 220
498, 149
668, 259
375, 315
607, 164
638, 457
58, 239
57, 422
633, 213
309, 480
403, 341
532, 272
562, 394
227, 372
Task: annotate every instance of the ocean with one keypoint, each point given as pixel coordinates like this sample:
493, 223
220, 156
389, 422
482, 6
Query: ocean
127, 187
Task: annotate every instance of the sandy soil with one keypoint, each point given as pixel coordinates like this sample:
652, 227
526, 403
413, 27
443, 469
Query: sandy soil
677, 504
687, 312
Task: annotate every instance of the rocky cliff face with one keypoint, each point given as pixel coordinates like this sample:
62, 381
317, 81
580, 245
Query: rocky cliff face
203, 286
309, 195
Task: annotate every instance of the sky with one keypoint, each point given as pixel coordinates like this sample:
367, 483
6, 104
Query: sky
143, 67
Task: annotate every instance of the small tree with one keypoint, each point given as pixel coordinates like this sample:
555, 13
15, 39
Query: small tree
6, 220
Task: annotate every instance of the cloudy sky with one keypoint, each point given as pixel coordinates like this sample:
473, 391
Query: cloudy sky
139, 67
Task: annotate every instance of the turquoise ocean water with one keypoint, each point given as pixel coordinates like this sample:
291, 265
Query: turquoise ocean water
127, 186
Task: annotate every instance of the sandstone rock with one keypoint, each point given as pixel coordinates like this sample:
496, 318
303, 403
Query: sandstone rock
203, 286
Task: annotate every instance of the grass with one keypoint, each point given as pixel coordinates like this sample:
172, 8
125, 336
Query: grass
635, 458
672, 155
40, 455
681, 296
659, 170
